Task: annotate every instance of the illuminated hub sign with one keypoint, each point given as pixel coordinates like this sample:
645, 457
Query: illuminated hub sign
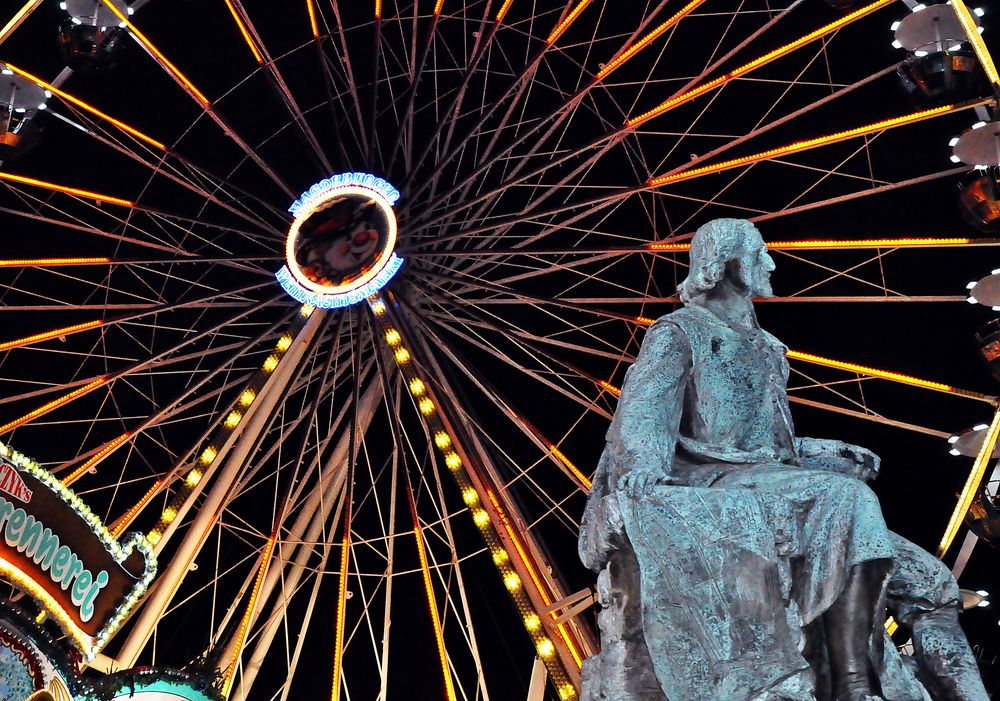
57, 551
339, 249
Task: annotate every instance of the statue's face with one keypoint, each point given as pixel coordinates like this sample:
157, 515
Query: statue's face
754, 265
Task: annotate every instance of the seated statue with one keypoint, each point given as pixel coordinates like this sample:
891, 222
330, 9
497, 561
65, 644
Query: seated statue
736, 561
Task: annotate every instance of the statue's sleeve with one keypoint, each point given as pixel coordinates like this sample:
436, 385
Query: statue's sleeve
643, 434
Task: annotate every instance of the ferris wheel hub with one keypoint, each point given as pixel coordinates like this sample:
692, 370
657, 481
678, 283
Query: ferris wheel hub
340, 246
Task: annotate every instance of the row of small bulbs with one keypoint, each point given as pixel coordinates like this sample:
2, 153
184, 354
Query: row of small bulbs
446, 446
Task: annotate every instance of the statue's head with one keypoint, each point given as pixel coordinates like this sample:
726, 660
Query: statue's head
730, 248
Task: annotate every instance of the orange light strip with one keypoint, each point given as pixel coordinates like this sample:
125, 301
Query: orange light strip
644, 321
976, 39
311, 8
646, 40
338, 650
757, 62
241, 635
830, 243
808, 144
52, 405
572, 468
378, 9
122, 523
611, 388
570, 18
45, 335
24, 180
243, 30
25, 583
972, 484
87, 108
886, 375
437, 7
546, 599
449, 687
95, 458
16, 20
503, 10
49, 262
148, 45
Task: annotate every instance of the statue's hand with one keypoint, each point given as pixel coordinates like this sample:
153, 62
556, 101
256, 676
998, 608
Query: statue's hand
639, 482
867, 462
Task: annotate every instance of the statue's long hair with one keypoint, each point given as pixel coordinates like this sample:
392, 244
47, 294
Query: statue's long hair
713, 246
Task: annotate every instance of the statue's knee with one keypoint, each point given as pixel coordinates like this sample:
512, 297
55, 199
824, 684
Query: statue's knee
849, 490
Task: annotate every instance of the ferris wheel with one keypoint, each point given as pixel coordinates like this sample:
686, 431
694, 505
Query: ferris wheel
332, 300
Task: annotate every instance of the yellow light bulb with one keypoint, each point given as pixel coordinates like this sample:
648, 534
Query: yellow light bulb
270, 363
208, 455
470, 497
193, 478
512, 581
154, 537
233, 419
566, 691
481, 518
500, 557
453, 461
532, 622
426, 406
442, 440
546, 648
392, 337
402, 356
246, 399
306, 310
417, 387
169, 514
378, 307
284, 342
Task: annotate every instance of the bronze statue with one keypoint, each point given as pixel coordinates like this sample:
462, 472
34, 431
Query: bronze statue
738, 562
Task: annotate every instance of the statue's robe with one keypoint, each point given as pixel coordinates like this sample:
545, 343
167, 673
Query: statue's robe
705, 407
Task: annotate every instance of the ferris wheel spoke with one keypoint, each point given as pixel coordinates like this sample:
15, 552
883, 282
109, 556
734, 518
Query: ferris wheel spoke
345, 57
524, 553
278, 84
764, 59
314, 524
477, 313
526, 74
613, 138
920, 180
174, 407
256, 421
550, 449
164, 170
576, 396
529, 348
107, 380
797, 147
450, 113
417, 67
203, 102
476, 284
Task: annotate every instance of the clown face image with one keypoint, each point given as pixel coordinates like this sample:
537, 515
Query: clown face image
341, 241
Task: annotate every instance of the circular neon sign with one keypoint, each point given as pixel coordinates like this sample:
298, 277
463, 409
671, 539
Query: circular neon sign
340, 245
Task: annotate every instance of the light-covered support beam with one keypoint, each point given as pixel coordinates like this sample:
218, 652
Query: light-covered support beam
517, 556
18, 18
179, 565
307, 528
972, 485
